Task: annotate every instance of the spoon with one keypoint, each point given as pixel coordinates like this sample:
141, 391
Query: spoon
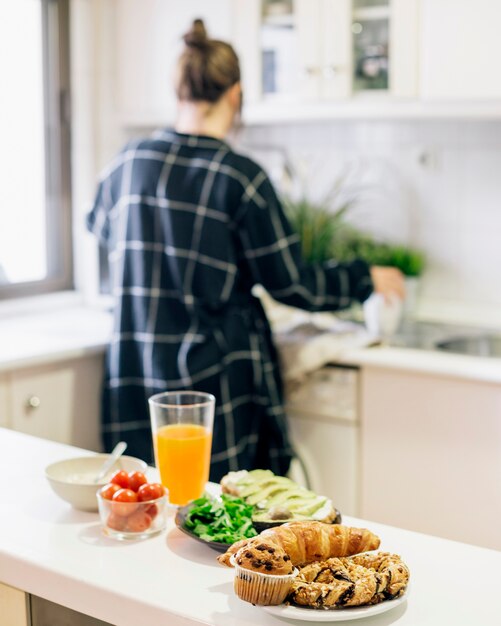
116, 453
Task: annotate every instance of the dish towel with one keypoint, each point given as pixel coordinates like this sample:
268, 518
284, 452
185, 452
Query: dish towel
308, 341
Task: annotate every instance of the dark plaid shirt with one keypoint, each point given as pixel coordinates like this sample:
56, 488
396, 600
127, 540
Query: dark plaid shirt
190, 227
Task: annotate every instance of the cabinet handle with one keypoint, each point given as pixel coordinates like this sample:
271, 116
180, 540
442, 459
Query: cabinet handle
311, 71
331, 71
33, 402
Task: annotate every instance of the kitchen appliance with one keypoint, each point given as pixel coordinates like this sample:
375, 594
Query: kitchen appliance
324, 424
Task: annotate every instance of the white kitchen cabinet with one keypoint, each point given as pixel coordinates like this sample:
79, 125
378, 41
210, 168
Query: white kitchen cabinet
291, 51
295, 50
324, 429
4, 407
148, 43
13, 606
58, 401
431, 454
460, 49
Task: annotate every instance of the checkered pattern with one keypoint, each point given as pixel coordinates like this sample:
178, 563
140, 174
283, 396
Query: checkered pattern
190, 227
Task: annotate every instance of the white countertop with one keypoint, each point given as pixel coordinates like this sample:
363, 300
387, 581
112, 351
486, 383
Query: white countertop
53, 551
45, 337
67, 333
482, 369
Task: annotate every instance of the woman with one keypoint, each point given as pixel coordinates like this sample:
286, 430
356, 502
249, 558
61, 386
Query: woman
191, 227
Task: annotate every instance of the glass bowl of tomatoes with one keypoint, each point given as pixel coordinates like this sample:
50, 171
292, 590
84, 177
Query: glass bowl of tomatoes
130, 507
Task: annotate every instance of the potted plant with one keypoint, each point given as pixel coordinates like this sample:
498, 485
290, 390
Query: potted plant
317, 226
325, 234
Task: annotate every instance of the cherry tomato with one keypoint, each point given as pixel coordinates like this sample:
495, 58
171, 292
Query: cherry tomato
124, 502
151, 510
117, 522
136, 479
109, 490
138, 522
150, 491
120, 478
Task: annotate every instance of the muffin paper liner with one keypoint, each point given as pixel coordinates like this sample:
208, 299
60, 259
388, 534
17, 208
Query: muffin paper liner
258, 588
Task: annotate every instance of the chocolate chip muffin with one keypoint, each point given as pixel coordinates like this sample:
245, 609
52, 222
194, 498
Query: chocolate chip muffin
265, 558
263, 573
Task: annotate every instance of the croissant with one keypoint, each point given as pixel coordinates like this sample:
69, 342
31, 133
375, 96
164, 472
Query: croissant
306, 542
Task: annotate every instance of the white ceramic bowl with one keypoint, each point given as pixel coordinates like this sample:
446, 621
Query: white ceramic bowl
72, 479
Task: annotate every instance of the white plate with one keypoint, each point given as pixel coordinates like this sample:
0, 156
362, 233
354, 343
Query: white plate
333, 615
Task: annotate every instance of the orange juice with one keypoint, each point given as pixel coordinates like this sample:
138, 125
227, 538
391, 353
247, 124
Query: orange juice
183, 456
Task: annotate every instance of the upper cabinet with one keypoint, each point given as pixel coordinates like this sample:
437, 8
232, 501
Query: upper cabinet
304, 50
460, 49
306, 59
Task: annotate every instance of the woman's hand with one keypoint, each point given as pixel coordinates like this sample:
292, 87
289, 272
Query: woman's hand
388, 281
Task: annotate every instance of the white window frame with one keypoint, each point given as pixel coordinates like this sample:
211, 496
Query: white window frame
57, 131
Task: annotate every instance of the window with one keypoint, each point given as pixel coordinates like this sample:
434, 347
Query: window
35, 220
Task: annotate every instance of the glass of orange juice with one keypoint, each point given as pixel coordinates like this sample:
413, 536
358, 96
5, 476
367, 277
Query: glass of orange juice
181, 423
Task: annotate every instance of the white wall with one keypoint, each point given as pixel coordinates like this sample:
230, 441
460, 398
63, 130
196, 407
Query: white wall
435, 185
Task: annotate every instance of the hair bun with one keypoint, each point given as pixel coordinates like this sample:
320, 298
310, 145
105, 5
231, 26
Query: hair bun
197, 36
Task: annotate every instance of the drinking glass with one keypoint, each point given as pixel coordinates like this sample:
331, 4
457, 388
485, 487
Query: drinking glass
383, 315
181, 424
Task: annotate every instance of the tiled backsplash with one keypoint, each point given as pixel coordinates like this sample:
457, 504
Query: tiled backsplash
433, 184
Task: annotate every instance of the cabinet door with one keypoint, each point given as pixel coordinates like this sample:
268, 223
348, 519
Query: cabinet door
60, 402
4, 415
309, 27
148, 44
330, 393
329, 450
14, 606
431, 455
460, 49
385, 46
279, 49
247, 18
404, 48
336, 49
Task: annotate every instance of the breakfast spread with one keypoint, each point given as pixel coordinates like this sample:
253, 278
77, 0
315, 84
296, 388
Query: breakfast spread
277, 498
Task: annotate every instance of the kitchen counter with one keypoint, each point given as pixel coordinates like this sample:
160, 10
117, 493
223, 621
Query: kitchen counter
55, 552
68, 333
473, 368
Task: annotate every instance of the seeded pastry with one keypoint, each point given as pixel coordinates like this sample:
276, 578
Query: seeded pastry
352, 581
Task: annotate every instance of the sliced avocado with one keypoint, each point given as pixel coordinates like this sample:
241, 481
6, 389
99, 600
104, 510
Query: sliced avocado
264, 516
296, 502
309, 509
250, 490
263, 495
255, 475
286, 494
267, 491
262, 485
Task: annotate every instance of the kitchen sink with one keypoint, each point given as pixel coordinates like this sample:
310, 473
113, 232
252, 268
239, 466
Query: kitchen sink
451, 338
482, 345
